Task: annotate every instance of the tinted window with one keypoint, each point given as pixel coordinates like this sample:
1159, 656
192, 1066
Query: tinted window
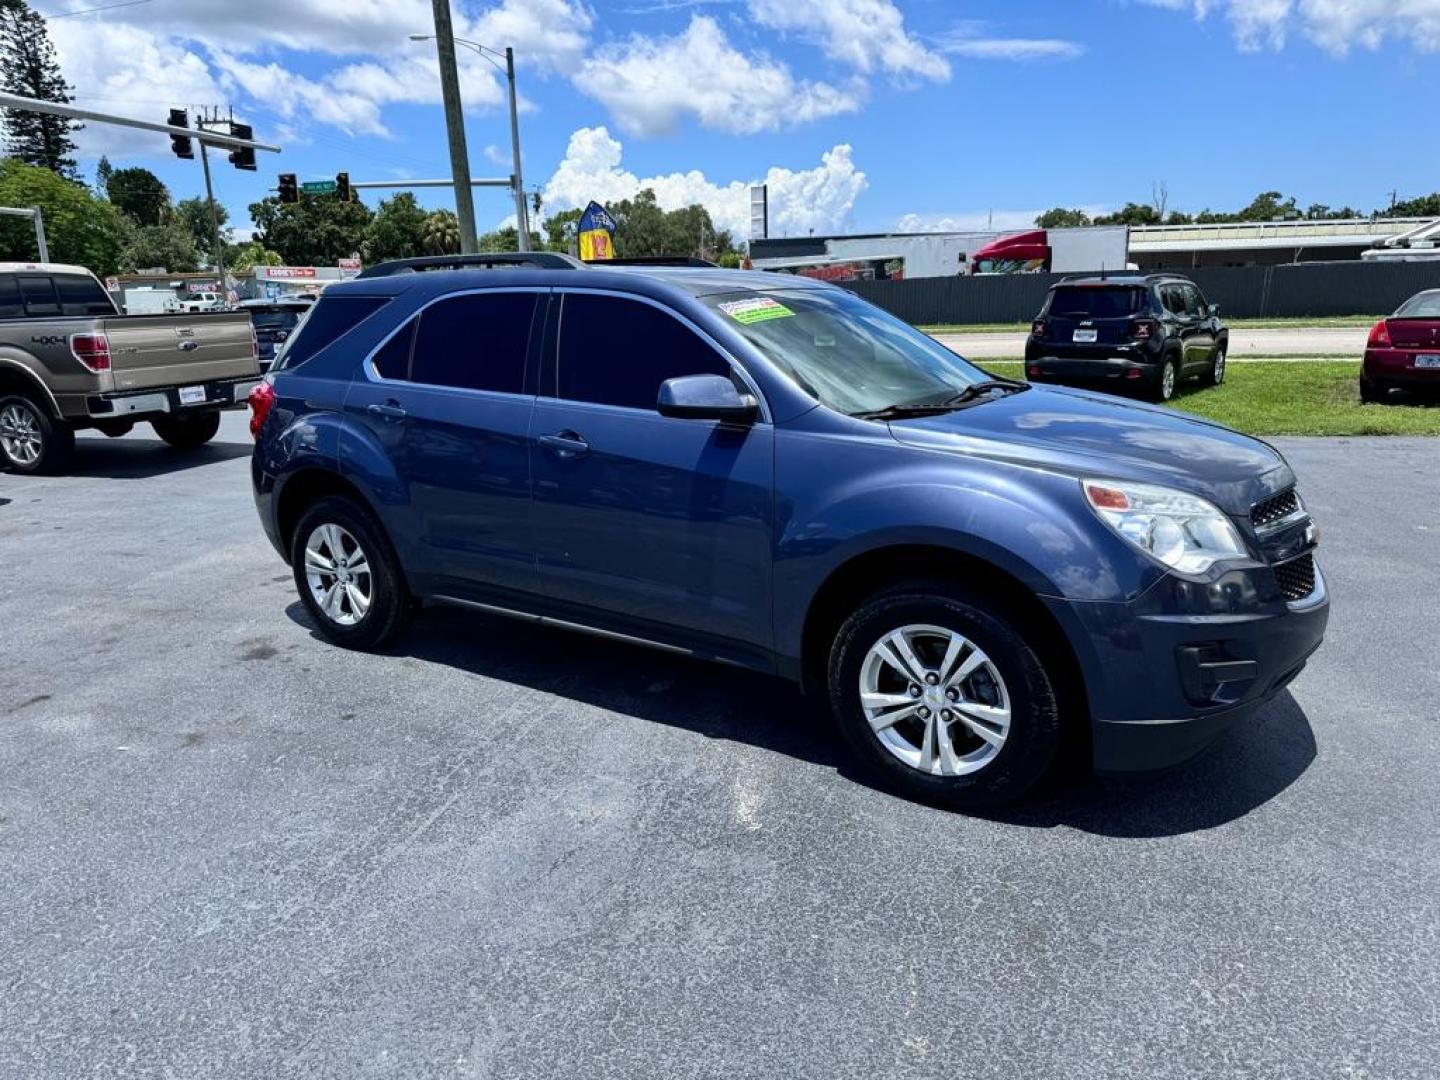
324, 323
1097, 302
10, 306
1174, 302
475, 342
80, 295
39, 296
275, 318
392, 361
618, 352
1193, 302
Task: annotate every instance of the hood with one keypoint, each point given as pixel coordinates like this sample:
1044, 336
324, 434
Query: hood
1090, 434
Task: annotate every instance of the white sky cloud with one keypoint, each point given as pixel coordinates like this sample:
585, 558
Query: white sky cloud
1337, 26
800, 200
649, 84
869, 35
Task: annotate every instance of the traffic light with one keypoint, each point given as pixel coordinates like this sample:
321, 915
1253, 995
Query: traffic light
289, 190
183, 145
243, 157
342, 186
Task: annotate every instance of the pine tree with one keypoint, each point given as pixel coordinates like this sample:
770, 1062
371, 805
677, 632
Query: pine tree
28, 67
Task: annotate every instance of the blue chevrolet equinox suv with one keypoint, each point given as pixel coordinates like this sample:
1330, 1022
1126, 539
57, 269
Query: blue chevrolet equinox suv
978, 576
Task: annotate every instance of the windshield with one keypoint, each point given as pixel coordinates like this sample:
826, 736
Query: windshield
1425, 305
844, 351
1090, 302
275, 319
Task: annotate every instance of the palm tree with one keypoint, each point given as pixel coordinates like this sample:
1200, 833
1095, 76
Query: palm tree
441, 233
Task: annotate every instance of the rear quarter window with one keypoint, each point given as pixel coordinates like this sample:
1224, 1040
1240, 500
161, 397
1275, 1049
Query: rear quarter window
10, 305
326, 322
38, 294
81, 295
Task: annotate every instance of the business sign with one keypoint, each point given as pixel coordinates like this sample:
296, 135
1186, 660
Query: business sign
350, 267
597, 233
112, 284
283, 273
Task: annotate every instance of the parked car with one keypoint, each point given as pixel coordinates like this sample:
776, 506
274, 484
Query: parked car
1403, 352
69, 360
773, 473
274, 321
1148, 332
201, 301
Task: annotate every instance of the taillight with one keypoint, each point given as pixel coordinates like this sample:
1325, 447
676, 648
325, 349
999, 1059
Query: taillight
1037, 328
1142, 329
254, 345
1379, 336
262, 397
92, 350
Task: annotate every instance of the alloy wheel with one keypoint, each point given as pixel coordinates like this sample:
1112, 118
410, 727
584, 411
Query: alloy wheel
20, 434
338, 574
935, 700
1167, 382
1219, 366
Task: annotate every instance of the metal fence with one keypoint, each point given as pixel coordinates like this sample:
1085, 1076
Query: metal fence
1306, 290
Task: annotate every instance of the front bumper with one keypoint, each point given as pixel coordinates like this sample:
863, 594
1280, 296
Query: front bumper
1172, 670
220, 394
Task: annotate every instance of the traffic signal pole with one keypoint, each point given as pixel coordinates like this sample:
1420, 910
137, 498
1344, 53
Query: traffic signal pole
214, 216
455, 126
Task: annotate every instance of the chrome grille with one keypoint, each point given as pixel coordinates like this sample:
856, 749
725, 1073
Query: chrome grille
1296, 578
1274, 509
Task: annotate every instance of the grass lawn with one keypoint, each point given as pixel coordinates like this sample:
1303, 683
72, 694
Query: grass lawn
1365, 321
1320, 398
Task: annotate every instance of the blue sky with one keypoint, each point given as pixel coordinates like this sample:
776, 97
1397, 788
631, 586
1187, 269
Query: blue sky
863, 114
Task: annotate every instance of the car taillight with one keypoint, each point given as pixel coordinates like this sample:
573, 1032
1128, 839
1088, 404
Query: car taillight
254, 345
1037, 328
92, 350
1379, 336
1142, 329
262, 397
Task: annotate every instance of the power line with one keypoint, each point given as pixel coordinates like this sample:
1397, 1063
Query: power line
92, 11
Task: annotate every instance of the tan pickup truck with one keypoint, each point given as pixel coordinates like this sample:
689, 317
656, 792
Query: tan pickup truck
70, 360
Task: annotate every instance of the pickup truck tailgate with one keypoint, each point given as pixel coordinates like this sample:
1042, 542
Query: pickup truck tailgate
148, 351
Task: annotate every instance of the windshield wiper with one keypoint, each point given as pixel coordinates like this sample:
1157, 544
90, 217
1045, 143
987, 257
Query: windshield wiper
934, 408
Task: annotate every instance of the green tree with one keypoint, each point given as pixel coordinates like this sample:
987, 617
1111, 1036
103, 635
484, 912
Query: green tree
397, 231
639, 226
1424, 206
319, 230
168, 245
1269, 206
103, 171
139, 194
194, 215
506, 239
245, 257
1061, 218
560, 230
1132, 214
28, 68
441, 234
80, 228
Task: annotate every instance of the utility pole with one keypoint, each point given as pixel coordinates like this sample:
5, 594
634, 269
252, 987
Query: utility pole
455, 126
210, 201
522, 219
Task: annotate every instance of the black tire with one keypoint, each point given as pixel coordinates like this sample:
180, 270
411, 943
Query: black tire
1165, 386
1217, 365
1370, 393
390, 606
1034, 736
188, 432
32, 442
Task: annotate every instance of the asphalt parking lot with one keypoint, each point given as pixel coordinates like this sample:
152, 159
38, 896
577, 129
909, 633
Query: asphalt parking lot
231, 850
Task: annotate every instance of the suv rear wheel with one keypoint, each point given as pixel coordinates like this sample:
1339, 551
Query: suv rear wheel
347, 575
188, 432
30, 441
942, 697
1167, 380
1217, 367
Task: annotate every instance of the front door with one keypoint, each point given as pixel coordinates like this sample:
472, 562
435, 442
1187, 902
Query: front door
448, 408
642, 521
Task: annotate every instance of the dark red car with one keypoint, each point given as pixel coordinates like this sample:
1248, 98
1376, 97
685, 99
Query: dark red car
1403, 352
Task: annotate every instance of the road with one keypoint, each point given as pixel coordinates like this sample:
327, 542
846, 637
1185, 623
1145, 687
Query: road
231, 850
1301, 342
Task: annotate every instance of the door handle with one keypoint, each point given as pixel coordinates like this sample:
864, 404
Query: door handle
390, 410
565, 444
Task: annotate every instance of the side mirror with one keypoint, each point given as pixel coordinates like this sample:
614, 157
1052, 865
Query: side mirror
1214, 310
706, 397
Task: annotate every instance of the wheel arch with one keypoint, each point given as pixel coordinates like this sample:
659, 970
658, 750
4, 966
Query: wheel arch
305, 487
17, 376
849, 584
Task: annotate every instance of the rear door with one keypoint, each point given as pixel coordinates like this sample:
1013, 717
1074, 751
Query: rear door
643, 520
448, 398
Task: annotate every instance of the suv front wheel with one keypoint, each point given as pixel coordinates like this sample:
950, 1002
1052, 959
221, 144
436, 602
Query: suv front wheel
347, 575
943, 698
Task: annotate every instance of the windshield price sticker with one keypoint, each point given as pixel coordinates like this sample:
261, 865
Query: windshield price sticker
761, 309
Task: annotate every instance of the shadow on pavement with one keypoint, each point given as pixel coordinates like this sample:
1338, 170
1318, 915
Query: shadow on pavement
140, 459
1250, 765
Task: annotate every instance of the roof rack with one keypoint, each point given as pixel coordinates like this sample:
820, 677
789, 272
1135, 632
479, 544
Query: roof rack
654, 260
490, 260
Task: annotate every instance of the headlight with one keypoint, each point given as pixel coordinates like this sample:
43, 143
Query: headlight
1183, 531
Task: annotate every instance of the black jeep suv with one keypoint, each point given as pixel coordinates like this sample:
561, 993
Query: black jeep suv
1149, 332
